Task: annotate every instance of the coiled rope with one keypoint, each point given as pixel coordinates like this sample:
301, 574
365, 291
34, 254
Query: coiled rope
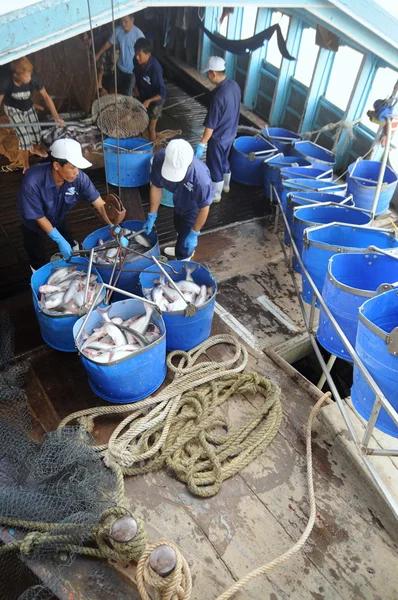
180, 427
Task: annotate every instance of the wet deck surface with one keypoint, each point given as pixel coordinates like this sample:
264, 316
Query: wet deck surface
262, 511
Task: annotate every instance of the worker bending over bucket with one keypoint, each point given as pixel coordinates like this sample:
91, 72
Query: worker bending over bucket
179, 172
221, 125
47, 193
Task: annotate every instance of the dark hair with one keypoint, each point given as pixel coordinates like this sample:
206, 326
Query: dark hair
60, 161
143, 44
218, 72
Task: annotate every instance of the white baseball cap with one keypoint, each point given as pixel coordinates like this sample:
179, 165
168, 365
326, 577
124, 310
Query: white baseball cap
177, 158
214, 63
71, 151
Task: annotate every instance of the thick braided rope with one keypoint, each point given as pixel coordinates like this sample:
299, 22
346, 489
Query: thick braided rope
176, 586
311, 519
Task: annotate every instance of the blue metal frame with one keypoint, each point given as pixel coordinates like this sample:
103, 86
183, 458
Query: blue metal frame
233, 33
294, 85
317, 87
264, 17
210, 17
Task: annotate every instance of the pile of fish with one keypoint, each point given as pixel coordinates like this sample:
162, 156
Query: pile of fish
139, 243
117, 338
63, 292
168, 299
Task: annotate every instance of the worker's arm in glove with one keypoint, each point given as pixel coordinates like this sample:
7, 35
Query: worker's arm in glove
155, 198
191, 241
64, 247
200, 148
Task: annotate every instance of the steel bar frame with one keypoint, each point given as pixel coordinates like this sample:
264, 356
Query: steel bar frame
362, 446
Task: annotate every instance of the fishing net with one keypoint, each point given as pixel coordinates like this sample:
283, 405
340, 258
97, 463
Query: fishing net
55, 492
122, 118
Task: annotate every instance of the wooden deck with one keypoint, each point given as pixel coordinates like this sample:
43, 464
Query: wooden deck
261, 512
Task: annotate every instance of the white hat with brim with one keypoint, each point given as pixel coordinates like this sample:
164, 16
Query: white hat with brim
178, 156
214, 63
71, 151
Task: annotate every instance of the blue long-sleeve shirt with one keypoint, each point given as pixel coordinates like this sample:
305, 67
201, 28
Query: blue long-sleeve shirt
224, 109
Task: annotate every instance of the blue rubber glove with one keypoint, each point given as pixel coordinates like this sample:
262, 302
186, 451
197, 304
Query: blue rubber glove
150, 222
191, 241
64, 247
199, 150
123, 241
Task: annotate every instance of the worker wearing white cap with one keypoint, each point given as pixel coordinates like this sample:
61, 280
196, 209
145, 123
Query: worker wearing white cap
221, 125
48, 192
188, 179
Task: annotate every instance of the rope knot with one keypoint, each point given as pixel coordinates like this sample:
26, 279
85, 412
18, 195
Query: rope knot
30, 542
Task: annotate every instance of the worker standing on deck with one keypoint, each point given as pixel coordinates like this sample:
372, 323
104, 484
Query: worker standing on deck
125, 37
178, 171
150, 87
48, 192
221, 125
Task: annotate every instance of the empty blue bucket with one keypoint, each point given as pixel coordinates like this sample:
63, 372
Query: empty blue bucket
57, 331
134, 162
351, 280
378, 318
362, 180
281, 138
319, 214
308, 185
321, 242
182, 332
247, 167
319, 157
272, 171
306, 173
129, 278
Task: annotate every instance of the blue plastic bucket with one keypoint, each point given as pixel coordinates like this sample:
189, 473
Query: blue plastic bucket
272, 168
362, 180
351, 280
321, 242
246, 167
129, 278
378, 317
297, 199
132, 378
320, 214
318, 156
184, 333
134, 163
281, 138
306, 173
57, 331
308, 185
167, 198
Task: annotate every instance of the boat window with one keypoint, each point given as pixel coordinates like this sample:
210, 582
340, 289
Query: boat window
306, 58
223, 28
382, 87
273, 55
248, 22
342, 78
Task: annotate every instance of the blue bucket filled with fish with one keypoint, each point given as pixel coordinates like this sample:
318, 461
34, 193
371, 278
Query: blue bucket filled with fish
362, 180
273, 167
199, 288
129, 274
319, 214
281, 138
319, 157
130, 159
351, 280
247, 159
58, 295
377, 325
321, 242
310, 185
123, 350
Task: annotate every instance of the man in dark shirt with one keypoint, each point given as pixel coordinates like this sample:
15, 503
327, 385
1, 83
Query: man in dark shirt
221, 125
176, 170
150, 87
47, 193
16, 89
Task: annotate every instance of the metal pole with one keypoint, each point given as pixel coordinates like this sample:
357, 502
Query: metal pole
169, 279
382, 170
329, 366
38, 124
89, 268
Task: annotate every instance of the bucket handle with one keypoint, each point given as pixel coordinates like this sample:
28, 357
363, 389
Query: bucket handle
355, 165
385, 287
126, 150
328, 172
390, 339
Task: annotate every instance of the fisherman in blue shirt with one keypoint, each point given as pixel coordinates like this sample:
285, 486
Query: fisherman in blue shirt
221, 125
150, 87
125, 37
47, 193
176, 170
